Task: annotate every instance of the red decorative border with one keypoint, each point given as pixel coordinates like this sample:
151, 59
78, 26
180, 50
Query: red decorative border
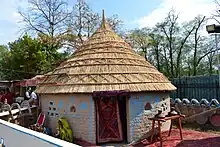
83, 142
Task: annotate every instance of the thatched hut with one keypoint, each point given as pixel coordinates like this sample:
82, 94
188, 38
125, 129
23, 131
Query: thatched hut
104, 89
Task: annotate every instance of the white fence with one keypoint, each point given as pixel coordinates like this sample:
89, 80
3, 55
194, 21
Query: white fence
17, 136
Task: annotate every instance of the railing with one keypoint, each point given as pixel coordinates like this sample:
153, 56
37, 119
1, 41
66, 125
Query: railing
15, 110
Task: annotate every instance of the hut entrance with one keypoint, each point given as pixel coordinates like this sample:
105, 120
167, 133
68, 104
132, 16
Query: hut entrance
122, 100
111, 122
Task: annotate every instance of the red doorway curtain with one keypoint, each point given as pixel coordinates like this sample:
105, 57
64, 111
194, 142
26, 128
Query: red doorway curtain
108, 120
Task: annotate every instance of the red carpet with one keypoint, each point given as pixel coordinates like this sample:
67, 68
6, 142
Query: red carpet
190, 139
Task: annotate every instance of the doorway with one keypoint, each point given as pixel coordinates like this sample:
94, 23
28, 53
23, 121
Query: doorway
122, 100
111, 120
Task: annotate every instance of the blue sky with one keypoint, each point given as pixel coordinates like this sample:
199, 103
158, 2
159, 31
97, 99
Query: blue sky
127, 10
134, 13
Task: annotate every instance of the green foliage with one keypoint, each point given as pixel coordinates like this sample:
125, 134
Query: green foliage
3, 52
29, 57
25, 59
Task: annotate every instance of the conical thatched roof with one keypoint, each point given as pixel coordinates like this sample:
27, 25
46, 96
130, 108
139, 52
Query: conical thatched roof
104, 63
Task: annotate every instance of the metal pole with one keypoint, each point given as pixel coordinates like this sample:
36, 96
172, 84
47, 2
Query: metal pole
216, 46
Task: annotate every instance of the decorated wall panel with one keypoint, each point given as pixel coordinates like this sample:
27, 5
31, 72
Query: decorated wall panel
141, 107
78, 109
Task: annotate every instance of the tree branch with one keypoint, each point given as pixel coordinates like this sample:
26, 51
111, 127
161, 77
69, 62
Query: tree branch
206, 54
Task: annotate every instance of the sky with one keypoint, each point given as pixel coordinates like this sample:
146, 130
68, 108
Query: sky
134, 13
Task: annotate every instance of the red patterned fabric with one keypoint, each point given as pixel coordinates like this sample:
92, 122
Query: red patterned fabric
108, 120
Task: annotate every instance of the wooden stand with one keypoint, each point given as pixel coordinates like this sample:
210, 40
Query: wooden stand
159, 120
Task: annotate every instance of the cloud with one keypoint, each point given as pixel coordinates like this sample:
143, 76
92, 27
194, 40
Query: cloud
187, 9
9, 20
16, 17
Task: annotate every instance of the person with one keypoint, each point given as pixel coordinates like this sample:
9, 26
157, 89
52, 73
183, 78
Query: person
9, 96
34, 97
18, 99
27, 94
1, 96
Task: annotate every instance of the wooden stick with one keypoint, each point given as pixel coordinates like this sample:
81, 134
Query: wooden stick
160, 134
202, 113
170, 127
152, 134
180, 128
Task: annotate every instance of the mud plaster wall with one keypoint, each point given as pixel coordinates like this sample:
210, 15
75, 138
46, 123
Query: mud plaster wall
138, 123
82, 121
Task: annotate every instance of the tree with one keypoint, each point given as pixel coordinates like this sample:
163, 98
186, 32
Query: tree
84, 21
3, 52
56, 24
169, 27
47, 18
198, 22
200, 48
216, 15
156, 45
212, 60
176, 39
176, 49
140, 40
25, 59
115, 23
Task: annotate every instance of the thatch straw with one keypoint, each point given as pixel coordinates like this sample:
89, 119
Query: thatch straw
105, 62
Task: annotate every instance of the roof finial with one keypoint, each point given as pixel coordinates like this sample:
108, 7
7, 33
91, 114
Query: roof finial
103, 25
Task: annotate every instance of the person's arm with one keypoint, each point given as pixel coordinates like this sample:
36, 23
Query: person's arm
33, 95
27, 94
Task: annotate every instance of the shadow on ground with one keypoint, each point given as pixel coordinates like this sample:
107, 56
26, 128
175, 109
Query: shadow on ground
207, 142
191, 138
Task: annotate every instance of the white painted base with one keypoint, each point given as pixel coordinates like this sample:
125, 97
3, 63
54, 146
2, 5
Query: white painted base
15, 135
